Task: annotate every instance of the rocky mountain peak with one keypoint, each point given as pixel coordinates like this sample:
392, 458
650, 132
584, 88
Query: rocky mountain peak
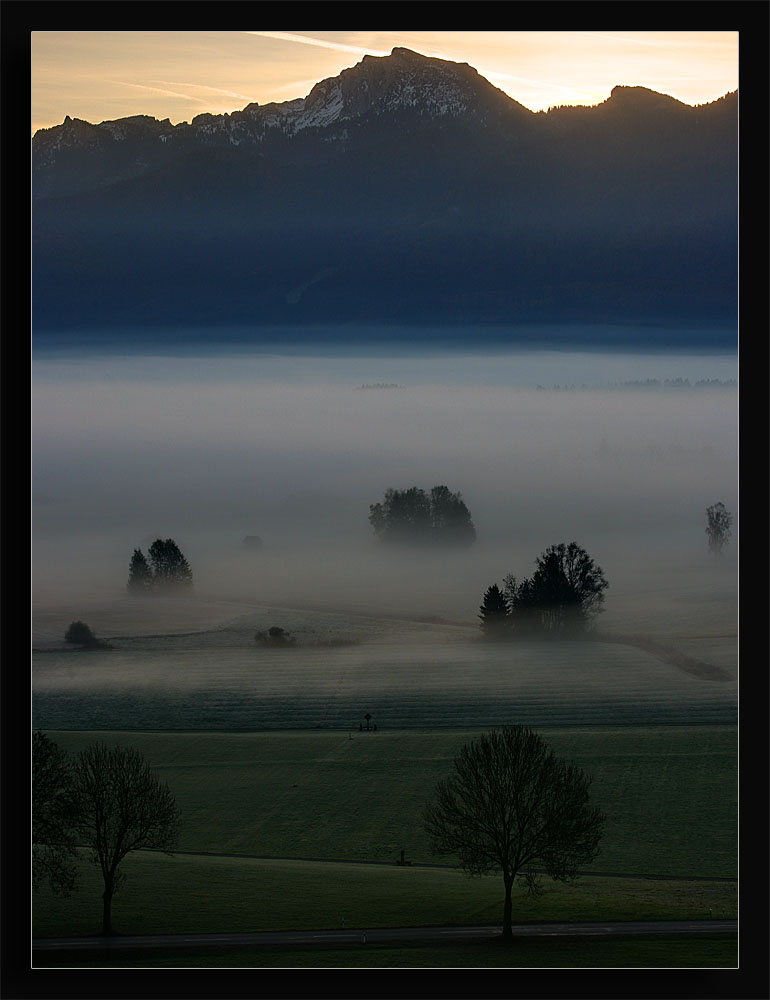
405, 81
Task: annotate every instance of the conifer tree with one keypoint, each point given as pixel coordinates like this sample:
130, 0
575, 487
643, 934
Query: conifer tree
139, 574
494, 614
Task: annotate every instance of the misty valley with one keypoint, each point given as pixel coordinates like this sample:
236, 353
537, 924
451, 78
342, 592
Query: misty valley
223, 600
385, 514
622, 453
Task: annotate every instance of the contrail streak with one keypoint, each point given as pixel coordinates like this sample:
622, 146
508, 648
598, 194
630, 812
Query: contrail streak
202, 86
288, 36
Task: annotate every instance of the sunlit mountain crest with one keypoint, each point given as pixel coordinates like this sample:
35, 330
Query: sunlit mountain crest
403, 83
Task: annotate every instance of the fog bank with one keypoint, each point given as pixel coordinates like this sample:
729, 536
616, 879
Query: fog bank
294, 449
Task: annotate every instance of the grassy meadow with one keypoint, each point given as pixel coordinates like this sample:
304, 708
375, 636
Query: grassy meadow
669, 794
193, 894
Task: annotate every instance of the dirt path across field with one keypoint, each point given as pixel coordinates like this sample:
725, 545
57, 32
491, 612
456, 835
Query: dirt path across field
669, 655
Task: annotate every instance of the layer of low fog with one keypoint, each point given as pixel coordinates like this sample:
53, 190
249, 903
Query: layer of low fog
544, 447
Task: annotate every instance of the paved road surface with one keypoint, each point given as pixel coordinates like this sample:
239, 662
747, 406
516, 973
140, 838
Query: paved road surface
382, 935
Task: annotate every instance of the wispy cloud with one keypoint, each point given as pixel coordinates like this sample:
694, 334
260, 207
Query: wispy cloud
321, 43
202, 86
157, 90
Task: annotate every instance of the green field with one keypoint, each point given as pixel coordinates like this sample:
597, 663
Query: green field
263, 753
669, 793
191, 894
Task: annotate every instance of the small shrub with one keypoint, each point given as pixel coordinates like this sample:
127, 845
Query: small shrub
274, 637
79, 634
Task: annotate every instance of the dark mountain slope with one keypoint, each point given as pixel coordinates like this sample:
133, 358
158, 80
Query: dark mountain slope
406, 190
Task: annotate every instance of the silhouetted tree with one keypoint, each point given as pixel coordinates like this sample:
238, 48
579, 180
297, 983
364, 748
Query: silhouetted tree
170, 569
718, 527
510, 805
415, 518
139, 574
54, 816
494, 614
525, 616
123, 807
564, 594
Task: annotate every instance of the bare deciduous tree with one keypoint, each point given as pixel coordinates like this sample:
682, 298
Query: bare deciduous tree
718, 527
510, 805
123, 807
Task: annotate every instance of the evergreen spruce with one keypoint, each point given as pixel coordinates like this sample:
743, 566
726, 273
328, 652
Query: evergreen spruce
494, 614
139, 574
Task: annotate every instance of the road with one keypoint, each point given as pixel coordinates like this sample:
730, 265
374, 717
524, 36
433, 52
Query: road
382, 935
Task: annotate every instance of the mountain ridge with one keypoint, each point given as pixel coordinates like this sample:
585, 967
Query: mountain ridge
376, 85
417, 190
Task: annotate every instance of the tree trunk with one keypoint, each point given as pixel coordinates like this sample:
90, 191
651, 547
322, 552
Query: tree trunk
107, 910
507, 930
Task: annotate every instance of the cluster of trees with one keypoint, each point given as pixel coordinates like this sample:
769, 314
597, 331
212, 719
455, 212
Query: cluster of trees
414, 517
562, 597
167, 569
107, 799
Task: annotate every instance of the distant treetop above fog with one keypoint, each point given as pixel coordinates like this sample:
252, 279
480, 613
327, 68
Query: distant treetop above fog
167, 570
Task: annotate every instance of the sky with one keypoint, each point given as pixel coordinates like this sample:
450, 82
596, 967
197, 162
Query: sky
103, 75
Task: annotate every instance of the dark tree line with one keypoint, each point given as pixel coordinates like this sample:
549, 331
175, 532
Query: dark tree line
562, 597
167, 569
414, 517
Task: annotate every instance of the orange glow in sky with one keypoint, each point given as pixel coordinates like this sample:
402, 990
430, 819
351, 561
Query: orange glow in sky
103, 75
